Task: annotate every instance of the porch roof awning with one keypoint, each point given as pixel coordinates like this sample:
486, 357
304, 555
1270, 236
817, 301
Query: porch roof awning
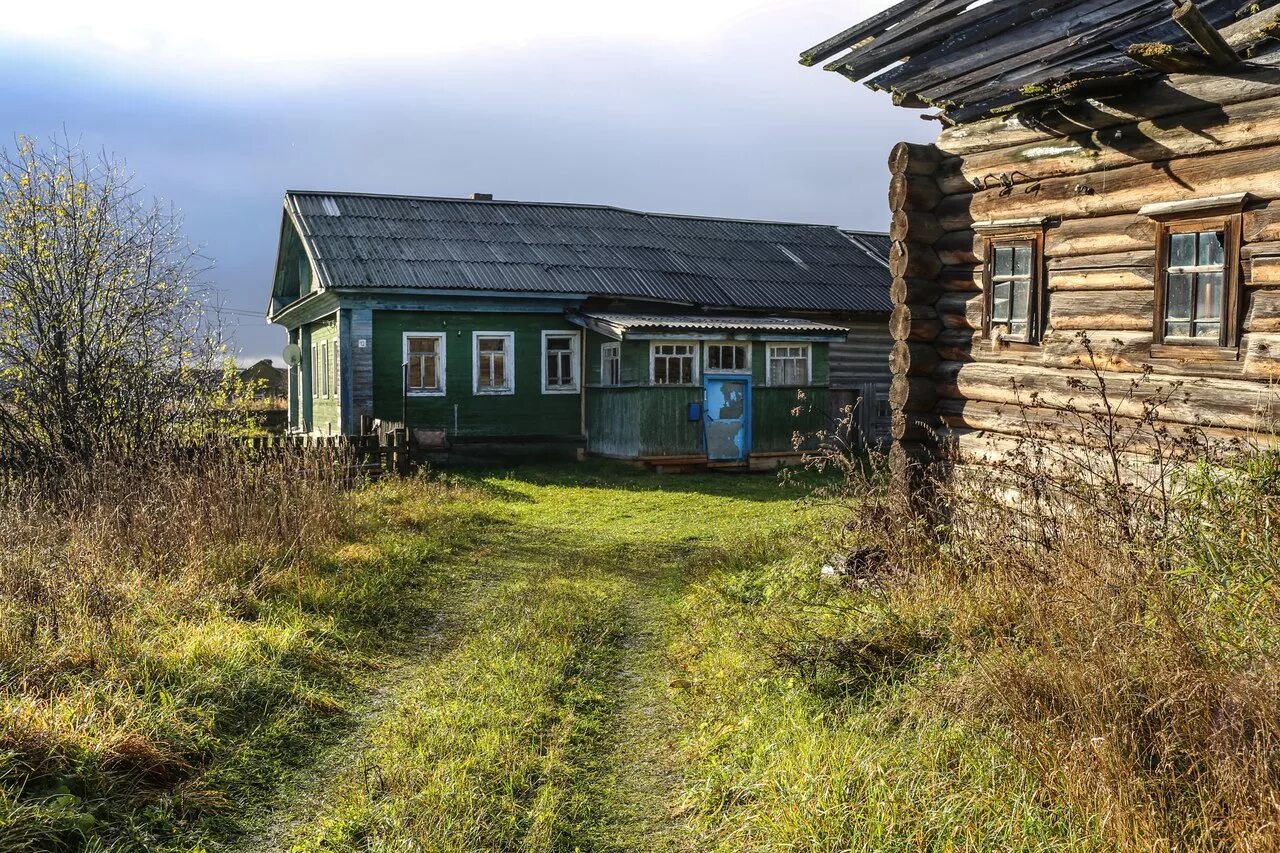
706, 326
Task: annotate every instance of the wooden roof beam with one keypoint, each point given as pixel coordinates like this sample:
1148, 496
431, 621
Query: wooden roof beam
1205, 34
1167, 58
869, 28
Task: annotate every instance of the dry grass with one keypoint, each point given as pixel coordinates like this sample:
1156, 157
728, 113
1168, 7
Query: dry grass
171, 634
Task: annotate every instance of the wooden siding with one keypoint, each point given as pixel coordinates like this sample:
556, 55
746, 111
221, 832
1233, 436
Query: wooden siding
322, 412
864, 357
639, 420
1100, 262
528, 413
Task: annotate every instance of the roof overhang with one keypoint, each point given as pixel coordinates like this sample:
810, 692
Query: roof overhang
702, 327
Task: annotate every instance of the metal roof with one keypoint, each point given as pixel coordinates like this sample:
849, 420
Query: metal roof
382, 241
621, 324
976, 59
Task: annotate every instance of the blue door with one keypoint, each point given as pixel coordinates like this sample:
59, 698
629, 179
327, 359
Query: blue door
727, 416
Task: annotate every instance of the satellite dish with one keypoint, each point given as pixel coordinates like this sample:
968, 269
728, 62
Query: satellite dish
293, 355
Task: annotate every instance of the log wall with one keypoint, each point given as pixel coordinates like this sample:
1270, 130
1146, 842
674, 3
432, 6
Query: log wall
1088, 171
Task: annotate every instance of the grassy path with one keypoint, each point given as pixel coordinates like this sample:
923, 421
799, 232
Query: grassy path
538, 715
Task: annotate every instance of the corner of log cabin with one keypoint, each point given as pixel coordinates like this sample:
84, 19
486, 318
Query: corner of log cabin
1087, 157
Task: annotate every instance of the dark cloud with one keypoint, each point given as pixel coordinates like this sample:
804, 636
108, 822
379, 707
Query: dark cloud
732, 128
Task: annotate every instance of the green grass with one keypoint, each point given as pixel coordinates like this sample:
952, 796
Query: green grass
571, 658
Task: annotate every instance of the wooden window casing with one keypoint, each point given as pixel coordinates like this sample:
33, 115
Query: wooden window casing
789, 364
1029, 244
425, 358
673, 363
560, 361
728, 357
1226, 343
611, 364
493, 362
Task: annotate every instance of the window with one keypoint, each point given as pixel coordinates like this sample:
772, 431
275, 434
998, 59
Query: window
494, 362
324, 369
559, 362
673, 364
729, 358
1013, 290
610, 364
337, 371
315, 371
424, 355
1196, 299
788, 364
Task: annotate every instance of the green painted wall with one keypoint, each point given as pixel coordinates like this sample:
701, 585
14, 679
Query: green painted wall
320, 412
527, 412
643, 420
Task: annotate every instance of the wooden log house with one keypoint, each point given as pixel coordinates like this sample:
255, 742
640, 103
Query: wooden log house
1105, 168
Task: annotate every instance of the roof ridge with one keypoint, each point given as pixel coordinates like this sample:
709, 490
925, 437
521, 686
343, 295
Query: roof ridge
579, 205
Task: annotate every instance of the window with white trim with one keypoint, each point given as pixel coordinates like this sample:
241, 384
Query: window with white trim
493, 362
611, 364
337, 371
315, 371
729, 358
559, 362
424, 354
789, 364
673, 364
324, 369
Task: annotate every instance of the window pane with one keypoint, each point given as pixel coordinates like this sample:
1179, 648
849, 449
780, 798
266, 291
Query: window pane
430, 372
491, 344
423, 344
686, 370
1182, 250
1022, 260
499, 370
713, 358
1209, 296
1000, 302
1178, 299
1211, 252
415, 373
1180, 329
1020, 310
1004, 261
1208, 330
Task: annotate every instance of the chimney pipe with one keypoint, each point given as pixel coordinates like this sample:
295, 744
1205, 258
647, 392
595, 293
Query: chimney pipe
482, 196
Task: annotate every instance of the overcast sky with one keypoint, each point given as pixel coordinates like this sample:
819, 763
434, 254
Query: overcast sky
682, 106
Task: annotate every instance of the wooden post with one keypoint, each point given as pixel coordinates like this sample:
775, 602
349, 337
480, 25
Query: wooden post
1205, 34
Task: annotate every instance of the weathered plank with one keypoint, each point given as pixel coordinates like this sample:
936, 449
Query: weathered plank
1225, 403
1101, 279
1256, 171
1100, 235
1177, 94
1120, 310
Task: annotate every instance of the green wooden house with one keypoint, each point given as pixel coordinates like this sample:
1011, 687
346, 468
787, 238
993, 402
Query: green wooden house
488, 325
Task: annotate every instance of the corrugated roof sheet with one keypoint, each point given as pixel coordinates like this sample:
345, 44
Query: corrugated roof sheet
459, 244
705, 322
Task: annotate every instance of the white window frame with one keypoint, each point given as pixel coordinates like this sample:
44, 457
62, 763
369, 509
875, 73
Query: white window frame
706, 356
696, 370
510, 352
336, 370
315, 370
768, 362
613, 350
441, 356
575, 359
324, 369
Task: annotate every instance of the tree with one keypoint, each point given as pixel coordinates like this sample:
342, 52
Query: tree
106, 344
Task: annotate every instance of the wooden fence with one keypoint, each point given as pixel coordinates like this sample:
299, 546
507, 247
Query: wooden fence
350, 456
